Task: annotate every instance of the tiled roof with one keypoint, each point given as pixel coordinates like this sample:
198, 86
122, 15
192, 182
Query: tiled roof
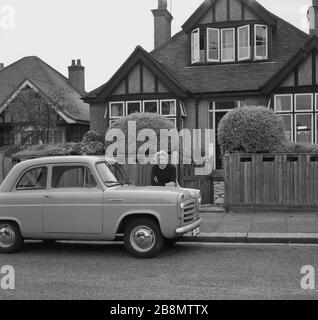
47, 80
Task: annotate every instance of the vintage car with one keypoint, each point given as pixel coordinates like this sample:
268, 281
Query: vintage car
83, 198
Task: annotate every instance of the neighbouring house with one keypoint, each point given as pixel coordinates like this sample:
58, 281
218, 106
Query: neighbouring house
229, 54
72, 121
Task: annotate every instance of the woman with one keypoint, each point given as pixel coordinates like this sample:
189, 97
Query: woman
163, 174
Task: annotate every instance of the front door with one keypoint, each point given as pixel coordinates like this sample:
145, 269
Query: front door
218, 154
74, 202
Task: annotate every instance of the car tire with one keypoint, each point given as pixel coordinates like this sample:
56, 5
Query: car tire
10, 238
143, 238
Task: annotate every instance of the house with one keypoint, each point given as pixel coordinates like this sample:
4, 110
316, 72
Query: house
229, 54
33, 73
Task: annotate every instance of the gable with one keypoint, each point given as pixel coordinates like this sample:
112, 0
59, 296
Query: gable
216, 11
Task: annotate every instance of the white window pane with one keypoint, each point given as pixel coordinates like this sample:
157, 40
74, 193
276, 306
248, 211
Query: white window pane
304, 128
261, 42
168, 108
151, 106
213, 45
244, 42
287, 121
283, 103
195, 45
303, 102
228, 45
116, 110
133, 107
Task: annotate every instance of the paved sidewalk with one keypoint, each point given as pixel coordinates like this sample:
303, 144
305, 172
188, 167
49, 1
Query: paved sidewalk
275, 227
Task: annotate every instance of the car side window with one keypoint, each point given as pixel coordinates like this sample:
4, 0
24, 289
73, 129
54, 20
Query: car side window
34, 179
72, 177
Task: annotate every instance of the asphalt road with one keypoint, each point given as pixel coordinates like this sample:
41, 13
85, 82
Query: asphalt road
185, 271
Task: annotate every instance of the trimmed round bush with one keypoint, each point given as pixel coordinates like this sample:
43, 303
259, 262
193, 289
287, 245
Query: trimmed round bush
93, 136
94, 148
251, 130
152, 121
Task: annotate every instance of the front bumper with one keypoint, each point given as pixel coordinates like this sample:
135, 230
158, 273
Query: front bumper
189, 228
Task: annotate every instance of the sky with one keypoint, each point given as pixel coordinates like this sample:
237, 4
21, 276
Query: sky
102, 33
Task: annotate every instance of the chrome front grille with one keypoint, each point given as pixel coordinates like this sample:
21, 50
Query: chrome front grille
189, 212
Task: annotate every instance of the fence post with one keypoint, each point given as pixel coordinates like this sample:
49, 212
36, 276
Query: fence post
227, 200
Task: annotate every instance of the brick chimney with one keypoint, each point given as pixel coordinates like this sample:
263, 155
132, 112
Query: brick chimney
1, 66
163, 19
312, 16
76, 76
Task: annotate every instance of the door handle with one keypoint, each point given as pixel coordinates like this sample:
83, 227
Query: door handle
46, 196
116, 200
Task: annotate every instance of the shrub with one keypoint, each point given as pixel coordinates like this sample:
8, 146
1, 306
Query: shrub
252, 130
94, 148
291, 147
152, 121
94, 136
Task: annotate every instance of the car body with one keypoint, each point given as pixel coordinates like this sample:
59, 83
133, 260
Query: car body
89, 198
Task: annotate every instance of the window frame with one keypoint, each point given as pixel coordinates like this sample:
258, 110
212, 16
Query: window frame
25, 172
110, 109
303, 94
131, 102
248, 57
175, 109
291, 123
312, 125
291, 103
145, 101
193, 61
259, 58
208, 44
234, 39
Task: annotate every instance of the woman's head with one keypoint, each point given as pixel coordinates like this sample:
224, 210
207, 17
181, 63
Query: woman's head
161, 158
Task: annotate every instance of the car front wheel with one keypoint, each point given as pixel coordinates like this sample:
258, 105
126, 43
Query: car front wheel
10, 237
143, 238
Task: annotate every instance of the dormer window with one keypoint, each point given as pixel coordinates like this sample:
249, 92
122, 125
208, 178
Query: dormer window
261, 42
240, 43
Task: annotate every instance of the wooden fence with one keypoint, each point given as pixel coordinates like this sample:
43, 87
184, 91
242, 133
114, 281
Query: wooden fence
281, 181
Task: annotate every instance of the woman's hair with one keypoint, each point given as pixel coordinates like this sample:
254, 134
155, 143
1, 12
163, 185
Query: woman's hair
161, 153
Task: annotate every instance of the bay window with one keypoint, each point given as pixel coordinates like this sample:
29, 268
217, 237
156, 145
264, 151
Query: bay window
261, 42
304, 125
284, 103
213, 39
133, 107
303, 102
116, 109
168, 107
151, 106
243, 41
288, 126
227, 45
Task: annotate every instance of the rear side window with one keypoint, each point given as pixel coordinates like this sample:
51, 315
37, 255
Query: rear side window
72, 177
34, 179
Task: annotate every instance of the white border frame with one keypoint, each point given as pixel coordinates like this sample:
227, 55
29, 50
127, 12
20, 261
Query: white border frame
234, 38
110, 109
291, 123
291, 103
312, 125
249, 42
208, 51
145, 101
303, 94
257, 58
129, 102
192, 46
169, 100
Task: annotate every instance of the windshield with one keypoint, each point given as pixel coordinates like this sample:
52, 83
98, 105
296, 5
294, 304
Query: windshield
112, 174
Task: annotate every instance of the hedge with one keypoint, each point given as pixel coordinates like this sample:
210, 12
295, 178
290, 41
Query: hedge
252, 130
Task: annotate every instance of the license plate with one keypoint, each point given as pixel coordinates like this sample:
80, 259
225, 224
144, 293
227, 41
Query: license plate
195, 232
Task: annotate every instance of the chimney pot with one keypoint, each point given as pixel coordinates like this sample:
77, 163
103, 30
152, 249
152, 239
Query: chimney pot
312, 16
79, 62
162, 4
73, 63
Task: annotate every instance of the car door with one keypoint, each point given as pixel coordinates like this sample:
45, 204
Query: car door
74, 201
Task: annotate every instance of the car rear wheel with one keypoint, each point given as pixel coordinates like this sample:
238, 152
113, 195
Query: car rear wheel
10, 237
143, 238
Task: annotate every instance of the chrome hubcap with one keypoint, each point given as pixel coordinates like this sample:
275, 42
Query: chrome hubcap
7, 236
142, 238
